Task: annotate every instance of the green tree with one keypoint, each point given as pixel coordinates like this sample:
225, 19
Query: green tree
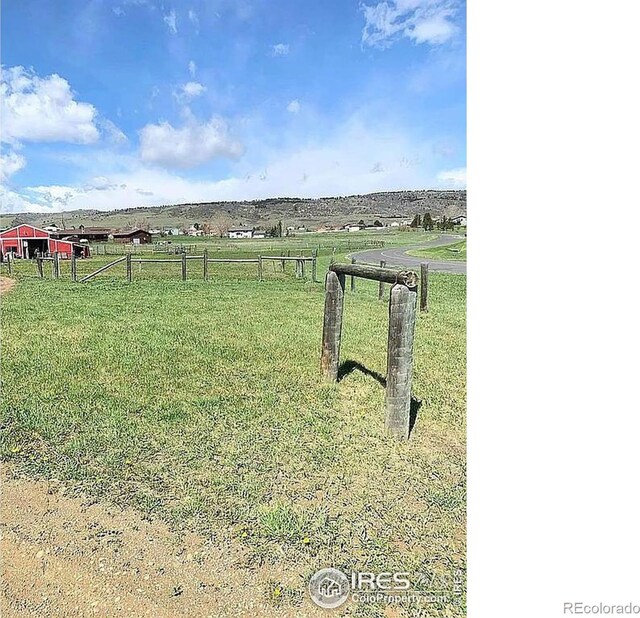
416, 222
427, 222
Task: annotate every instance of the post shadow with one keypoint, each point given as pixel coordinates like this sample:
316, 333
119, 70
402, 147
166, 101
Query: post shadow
349, 366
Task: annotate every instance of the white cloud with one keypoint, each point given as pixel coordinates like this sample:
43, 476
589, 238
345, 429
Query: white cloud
191, 90
422, 21
193, 17
280, 49
192, 68
294, 106
454, 178
188, 146
112, 131
43, 109
170, 20
10, 201
356, 158
10, 164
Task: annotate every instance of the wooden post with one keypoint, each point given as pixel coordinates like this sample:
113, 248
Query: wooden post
56, 264
402, 315
205, 265
129, 270
184, 266
314, 266
302, 265
424, 287
381, 284
332, 327
353, 279
9, 260
74, 276
259, 268
40, 269
282, 261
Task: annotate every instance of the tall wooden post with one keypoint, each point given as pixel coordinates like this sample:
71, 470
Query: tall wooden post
56, 264
259, 268
40, 269
302, 265
74, 272
381, 284
129, 270
9, 260
332, 327
205, 265
402, 314
282, 261
184, 266
424, 287
353, 279
314, 266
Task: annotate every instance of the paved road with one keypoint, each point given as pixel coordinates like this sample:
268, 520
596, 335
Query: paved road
397, 256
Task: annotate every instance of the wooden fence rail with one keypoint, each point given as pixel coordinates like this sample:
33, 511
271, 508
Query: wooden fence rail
101, 270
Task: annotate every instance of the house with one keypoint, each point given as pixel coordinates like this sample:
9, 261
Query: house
352, 228
240, 232
90, 234
28, 241
51, 228
460, 220
259, 234
134, 237
155, 232
193, 231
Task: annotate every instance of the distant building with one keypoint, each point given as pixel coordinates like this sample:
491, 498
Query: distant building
90, 234
155, 232
135, 237
460, 220
353, 228
240, 232
259, 234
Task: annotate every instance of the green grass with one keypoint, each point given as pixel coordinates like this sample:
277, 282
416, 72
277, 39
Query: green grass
201, 403
455, 251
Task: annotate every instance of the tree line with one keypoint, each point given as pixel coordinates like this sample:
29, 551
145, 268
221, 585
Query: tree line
426, 222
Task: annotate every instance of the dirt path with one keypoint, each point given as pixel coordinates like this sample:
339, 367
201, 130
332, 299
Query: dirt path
71, 557
6, 284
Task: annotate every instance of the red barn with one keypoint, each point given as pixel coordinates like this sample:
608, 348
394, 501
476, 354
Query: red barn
26, 241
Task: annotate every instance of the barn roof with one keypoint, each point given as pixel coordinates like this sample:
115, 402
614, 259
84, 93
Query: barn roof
129, 233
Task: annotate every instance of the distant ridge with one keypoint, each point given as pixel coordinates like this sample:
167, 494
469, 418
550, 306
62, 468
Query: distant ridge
265, 212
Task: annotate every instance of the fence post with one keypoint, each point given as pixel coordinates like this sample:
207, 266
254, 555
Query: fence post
259, 268
56, 264
205, 265
353, 279
129, 269
402, 314
282, 261
74, 276
40, 269
9, 260
302, 267
332, 326
424, 287
381, 284
184, 266
314, 266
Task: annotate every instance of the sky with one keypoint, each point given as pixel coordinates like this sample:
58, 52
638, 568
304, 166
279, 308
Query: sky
120, 103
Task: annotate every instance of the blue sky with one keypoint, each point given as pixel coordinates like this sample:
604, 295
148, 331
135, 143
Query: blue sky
118, 103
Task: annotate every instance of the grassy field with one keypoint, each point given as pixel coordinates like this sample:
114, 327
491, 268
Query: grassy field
201, 403
456, 251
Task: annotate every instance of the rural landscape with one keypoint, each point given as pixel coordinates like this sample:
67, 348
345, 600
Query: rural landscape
199, 406
233, 282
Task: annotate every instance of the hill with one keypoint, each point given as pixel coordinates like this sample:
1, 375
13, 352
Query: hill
387, 205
